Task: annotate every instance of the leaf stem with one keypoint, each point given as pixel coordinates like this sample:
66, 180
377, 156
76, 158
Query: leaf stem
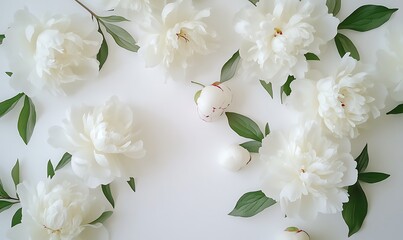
197, 83
86, 8
17, 200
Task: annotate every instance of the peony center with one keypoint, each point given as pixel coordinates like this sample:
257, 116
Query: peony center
277, 32
183, 35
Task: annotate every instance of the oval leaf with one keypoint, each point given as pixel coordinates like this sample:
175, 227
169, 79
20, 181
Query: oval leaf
121, 37
9, 104
367, 17
362, 160
251, 203
15, 173
4, 205
64, 161
2, 36
103, 51
397, 110
104, 216
311, 57
254, 2
106, 189
229, 69
345, 45
333, 6
3, 193
132, 184
16, 218
355, 210
372, 177
268, 87
50, 170
252, 146
27, 120
266, 129
113, 18
244, 126
286, 88
9, 74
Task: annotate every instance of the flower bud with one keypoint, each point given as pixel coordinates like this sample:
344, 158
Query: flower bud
293, 233
235, 158
213, 101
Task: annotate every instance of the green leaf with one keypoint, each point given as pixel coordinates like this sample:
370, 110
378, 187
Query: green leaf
286, 88
229, 68
104, 216
268, 87
4, 205
3, 193
132, 184
114, 18
244, 126
396, 110
311, 57
16, 218
197, 95
15, 173
362, 160
9, 104
355, 210
9, 74
254, 2
266, 129
106, 189
121, 37
367, 17
372, 177
103, 51
251, 203
27, 120
345, 45
50, 170
64, 161
333, 6
252, 146
2, 36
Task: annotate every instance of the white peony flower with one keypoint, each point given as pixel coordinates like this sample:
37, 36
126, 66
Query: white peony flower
276, 35
60, 208
307, 172
213, 101
234, 158
293, 233
175, 35
390, 64
103, 142
344, 100
51, 53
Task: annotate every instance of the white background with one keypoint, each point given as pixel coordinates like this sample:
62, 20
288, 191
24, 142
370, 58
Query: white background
182, 193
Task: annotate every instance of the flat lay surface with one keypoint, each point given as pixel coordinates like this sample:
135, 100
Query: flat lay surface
182, 192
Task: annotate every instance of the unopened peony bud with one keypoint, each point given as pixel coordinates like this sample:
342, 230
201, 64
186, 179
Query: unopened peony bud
235, 158
213, 101
293, 233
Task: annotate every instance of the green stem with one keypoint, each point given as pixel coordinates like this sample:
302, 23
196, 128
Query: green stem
197, 83
86, 8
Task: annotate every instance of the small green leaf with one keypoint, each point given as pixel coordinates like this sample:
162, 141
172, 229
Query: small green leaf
15, 173
396, 110
16, 218
345, 45
106, 189
132, 184
197, 95
244, 126
64, 161
252, 146
27, 120
2, 36
114, 18
268, 87
367, 17
333, 6
104, 216
9, 104
286, 88
4, 205
229, 69
50, 170
121, 37
9, 74
362, 160
291, 229
251, 203
3, 193
103, 51
311, 57
355, 210
372, 177
266, 129
254, 2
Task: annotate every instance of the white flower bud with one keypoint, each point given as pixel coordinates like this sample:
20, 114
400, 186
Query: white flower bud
235, 158
213, 101
293, 233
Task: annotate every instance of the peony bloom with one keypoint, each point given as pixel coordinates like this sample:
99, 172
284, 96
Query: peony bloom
390, 64
344, 100
175, 35
306, 172
293, 233
276, 35
51, 53
102, 140
234, 158
58, 208
213, 101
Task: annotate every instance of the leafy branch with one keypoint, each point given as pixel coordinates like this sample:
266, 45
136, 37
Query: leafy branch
6, 200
